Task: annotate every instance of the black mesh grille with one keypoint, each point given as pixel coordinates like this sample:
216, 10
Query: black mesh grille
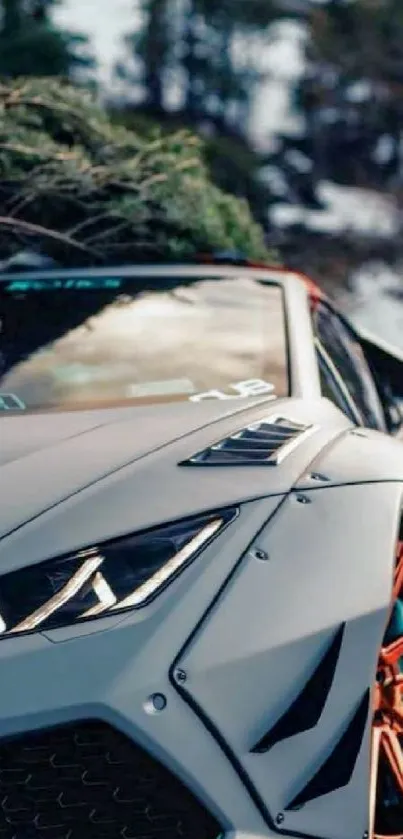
88, 781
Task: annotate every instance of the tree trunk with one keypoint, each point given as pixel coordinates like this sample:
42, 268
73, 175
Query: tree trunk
156, 53
11, 18
193, 94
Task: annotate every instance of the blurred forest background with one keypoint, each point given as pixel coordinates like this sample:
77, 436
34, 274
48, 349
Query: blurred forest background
325, 181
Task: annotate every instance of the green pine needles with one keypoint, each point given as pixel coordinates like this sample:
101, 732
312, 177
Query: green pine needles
86, 191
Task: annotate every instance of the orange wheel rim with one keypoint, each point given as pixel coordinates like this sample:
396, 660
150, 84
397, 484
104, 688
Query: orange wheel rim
386, 782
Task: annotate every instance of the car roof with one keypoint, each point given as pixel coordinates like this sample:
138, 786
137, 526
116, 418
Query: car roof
204, 267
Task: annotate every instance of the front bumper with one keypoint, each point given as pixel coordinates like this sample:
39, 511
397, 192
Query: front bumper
245, 635
85, 753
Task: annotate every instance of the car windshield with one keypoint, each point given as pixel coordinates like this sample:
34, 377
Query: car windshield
74, 342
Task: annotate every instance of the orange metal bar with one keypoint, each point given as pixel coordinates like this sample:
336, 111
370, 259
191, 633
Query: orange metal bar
388, 707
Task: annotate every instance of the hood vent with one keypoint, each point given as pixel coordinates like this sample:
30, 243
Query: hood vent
266, 442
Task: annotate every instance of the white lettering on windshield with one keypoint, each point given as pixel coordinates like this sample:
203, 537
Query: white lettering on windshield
243, 390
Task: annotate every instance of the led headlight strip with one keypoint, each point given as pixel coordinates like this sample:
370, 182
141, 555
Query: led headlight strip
122, 574
68, 592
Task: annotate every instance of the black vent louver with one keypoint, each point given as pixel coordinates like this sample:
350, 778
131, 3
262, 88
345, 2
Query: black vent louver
266, 442
336, 772
306, 710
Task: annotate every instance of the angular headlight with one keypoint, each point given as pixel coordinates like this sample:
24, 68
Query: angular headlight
118, 575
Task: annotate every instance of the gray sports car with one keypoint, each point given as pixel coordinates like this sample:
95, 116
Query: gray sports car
201, 559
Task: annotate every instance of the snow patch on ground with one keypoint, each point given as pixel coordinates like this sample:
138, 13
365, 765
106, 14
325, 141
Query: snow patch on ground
105, 22
374, 305
348, 209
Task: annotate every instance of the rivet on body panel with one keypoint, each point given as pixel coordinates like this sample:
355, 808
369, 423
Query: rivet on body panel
303, 499
316, 476
155, 703
258, 553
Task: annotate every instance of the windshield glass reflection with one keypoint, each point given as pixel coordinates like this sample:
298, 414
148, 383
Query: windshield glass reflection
64, 348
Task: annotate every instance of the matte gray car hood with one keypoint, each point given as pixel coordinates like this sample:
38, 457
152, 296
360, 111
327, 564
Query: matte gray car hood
46, 458
143, 428
69, 481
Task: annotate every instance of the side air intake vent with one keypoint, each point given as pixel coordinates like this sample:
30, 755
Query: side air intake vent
266, 442
306, 710
336, 772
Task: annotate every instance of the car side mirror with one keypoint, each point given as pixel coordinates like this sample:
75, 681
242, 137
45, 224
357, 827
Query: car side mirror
386, 363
